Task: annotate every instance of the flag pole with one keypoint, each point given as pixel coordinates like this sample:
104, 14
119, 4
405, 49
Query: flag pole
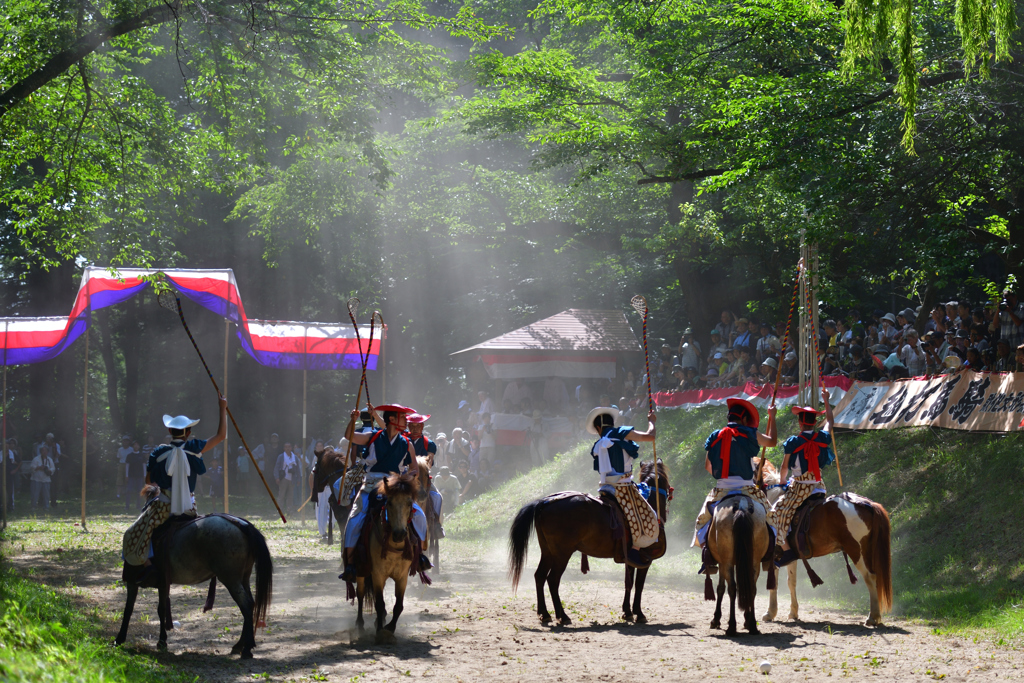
85, 411
227, 451
3, 416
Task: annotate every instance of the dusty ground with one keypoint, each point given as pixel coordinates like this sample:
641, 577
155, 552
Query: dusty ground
469, 626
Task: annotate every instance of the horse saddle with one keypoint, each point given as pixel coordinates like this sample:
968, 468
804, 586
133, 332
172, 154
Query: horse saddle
800, 529
374, 513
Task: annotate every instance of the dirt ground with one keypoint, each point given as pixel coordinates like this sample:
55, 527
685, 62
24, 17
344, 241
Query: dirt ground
468, 626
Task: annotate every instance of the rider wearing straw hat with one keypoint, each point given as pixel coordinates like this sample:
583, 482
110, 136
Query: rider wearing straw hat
388, 452
730, 459
614, 453
173, 467
806, 453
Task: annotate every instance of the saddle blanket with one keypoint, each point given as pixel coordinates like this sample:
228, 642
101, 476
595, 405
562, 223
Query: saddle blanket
642, 520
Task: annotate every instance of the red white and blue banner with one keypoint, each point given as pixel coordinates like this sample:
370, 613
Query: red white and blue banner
293, 345
758, 394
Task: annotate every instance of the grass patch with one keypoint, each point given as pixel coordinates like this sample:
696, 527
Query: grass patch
45, 637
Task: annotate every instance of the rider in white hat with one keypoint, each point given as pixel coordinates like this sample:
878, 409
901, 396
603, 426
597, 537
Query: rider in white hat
173, 467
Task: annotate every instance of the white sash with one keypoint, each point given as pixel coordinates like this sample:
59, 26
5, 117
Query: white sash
178, 470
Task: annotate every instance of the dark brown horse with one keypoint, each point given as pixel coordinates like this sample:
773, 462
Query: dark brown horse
859, 528
571, 522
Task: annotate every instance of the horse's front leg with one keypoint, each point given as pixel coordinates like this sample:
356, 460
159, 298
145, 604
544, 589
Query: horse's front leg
794, 607
396, 611
716, 621
378, 602
638, 592
129, 607
163, 612
627, 613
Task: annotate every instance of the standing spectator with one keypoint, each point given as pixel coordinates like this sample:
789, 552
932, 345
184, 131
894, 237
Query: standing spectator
726, 326
122, 454
135, 476
515, 391
938, 322
242, 468
844, 337
150, 445
449, 487
12, 462
951, 314
57, 478
963, 315
285, 472
43, 469
741, 336
486, 404
913, 355
689, 350
1011, 319
487, 443
768, 345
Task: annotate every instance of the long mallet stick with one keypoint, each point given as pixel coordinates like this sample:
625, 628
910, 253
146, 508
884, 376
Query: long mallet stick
639, 304
164, 299
817, 351
759, 475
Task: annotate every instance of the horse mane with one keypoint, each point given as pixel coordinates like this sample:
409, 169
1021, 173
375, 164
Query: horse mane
770, 473
149, 491
400, 484
647, 470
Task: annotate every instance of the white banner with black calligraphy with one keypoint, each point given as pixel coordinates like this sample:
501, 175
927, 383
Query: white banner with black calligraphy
973, 401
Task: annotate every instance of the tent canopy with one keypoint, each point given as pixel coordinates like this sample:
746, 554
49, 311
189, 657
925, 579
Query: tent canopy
574, 343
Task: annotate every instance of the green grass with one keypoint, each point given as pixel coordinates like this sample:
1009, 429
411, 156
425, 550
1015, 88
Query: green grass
958, 529
45, 637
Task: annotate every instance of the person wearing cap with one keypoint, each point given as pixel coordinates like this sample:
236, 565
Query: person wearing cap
174, 468
122, 454
805, 454
424, 447
614, 453
388, 452
689, 350
887, 329
730, 459
769, 369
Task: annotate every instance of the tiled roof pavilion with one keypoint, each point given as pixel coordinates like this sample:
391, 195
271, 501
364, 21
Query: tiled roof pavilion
576, 329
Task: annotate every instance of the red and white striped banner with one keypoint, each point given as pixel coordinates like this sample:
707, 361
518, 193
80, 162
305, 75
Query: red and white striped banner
758, 394
531, 365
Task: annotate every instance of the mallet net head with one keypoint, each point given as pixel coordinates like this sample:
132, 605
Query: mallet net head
353, 307
639, 304
168, 299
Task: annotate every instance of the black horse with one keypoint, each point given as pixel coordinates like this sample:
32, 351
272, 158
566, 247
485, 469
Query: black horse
211, 548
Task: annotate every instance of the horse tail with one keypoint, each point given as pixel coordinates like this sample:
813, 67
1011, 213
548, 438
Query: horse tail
743, 557
264, 573
519, 540
881, 556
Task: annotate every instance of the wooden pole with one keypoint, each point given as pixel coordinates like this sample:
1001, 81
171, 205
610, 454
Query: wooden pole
85, 419
302, 458
227, 451
3, 447
383, 364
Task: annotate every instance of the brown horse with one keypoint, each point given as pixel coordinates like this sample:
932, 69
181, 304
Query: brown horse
390, 552
738, 539
570, 522
860, 529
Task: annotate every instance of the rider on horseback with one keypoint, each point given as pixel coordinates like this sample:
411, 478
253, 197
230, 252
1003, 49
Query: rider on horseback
613, 455
806, 453
424, 447
730, 460
388, 451
174, 468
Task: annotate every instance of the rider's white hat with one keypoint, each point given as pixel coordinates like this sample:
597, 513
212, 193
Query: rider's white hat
600, 411
180, 422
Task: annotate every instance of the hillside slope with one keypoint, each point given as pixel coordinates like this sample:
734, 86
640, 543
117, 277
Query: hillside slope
958, 529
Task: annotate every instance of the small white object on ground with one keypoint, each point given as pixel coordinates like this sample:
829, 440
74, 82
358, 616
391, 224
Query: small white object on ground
765, 667
177, 624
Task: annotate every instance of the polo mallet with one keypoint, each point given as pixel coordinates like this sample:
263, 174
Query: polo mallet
817, 351
169, 300
639, 304
759, 475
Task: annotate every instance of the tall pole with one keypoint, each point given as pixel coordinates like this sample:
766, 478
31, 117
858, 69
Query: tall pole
227, 451
383, 366
302, 470
85, 414
815, 326
3, 416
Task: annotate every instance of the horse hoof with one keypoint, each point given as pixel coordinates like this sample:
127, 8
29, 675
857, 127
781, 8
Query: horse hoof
237, 649
731, 632
162, 646
118, 641
627, 617
564, 620
391, 627
246, 654
768, 617
545, 618
873, 622
754, 631
716, 624
384, 637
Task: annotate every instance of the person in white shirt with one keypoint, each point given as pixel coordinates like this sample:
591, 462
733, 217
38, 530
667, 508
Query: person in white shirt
286, 472
515, 391
912, 355
122, 456
486, 405
42, 471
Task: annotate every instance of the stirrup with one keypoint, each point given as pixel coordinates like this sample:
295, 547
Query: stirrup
786, 557
425, 563
349, 575
637, 559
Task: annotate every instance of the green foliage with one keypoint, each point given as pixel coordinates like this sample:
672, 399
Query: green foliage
44, 636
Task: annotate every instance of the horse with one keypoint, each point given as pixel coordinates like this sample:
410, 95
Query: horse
330, 464
861, 530
390, 553
738, 538
573, 521
210, 548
